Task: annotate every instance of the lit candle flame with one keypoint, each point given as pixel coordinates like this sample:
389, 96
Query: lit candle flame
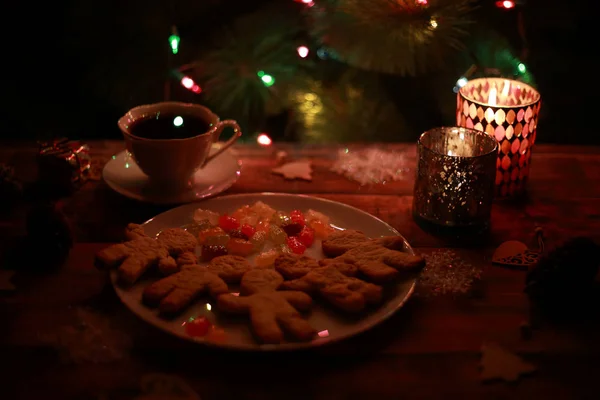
506, 88
492, 97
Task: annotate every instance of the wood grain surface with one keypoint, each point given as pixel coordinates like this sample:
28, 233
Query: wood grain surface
430, 349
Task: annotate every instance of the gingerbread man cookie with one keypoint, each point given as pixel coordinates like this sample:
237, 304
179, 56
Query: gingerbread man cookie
187, 258
173, 293
376, 260
177, 241
270, 311
344, 292
292, 266
260, 280
339, 242
132, 258
229, 268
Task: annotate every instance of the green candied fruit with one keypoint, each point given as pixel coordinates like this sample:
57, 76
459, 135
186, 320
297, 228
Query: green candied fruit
196, 227
258, 241
284, 249
280, 218
217, 240
277, 235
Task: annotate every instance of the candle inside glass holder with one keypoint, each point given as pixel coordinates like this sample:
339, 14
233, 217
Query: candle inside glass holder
508, 110
454, 186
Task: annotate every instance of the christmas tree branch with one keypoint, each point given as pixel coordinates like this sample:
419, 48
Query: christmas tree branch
402, 37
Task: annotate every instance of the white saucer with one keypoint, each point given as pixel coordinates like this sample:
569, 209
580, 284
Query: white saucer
124, 176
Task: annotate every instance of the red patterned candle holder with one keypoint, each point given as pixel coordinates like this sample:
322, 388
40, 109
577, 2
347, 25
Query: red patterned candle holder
509, 111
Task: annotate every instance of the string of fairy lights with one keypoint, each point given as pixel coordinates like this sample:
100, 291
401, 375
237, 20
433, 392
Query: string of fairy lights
303, 51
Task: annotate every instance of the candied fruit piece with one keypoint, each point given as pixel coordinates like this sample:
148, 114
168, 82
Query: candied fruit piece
283, 249
248, 230
292, 228
263, 226
312, 215
245, 215
262, 210
217, 240
237, 233
258, 240
297, 217
196, 227
277, 235
228, 223
266, 259
306, 236
214, 231
296, 245
279, 218
197, 327
209, 252
321, 230
206, 215
239, 247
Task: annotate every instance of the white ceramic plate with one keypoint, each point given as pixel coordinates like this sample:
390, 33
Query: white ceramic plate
124, 176
331, 324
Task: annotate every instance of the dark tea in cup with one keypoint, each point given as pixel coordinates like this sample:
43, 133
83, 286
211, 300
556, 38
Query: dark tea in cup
169, 126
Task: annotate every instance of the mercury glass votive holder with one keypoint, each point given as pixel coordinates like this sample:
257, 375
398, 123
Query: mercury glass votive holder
508, 110
454, 186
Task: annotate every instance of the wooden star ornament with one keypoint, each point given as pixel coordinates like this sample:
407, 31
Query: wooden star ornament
301, 169
499, 364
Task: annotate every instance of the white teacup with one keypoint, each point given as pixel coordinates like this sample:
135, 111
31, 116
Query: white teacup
172, 162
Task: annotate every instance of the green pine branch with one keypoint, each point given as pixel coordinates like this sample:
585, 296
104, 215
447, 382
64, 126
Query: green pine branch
400, 37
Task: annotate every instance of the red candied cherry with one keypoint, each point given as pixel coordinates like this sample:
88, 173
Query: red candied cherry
306, 236
198, 326
298, 217
228, 223
296, 245
248, 230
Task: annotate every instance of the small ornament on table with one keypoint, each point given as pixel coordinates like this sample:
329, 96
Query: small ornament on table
370, 166
63, 165
516, 254
499, 364
300, 169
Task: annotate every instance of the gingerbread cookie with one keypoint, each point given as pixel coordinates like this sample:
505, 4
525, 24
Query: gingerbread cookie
260, 280
134, 231
344, 292
177, 241
229, 268
292, 266
173, 293
133, 257
187, 258
378, 263
339, 242
270, 312
168, 266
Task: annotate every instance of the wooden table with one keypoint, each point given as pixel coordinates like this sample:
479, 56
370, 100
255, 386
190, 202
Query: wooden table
430, 349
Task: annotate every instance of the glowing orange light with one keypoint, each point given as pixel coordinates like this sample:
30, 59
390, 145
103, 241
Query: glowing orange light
303, 51
422, 2
264, 140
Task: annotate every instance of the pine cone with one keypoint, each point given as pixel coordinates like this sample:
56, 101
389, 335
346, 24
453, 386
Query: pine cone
564, 275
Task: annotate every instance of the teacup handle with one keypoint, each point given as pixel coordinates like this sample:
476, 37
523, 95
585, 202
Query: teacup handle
237, 132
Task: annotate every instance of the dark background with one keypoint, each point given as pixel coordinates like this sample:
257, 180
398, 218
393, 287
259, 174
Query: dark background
57, 54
